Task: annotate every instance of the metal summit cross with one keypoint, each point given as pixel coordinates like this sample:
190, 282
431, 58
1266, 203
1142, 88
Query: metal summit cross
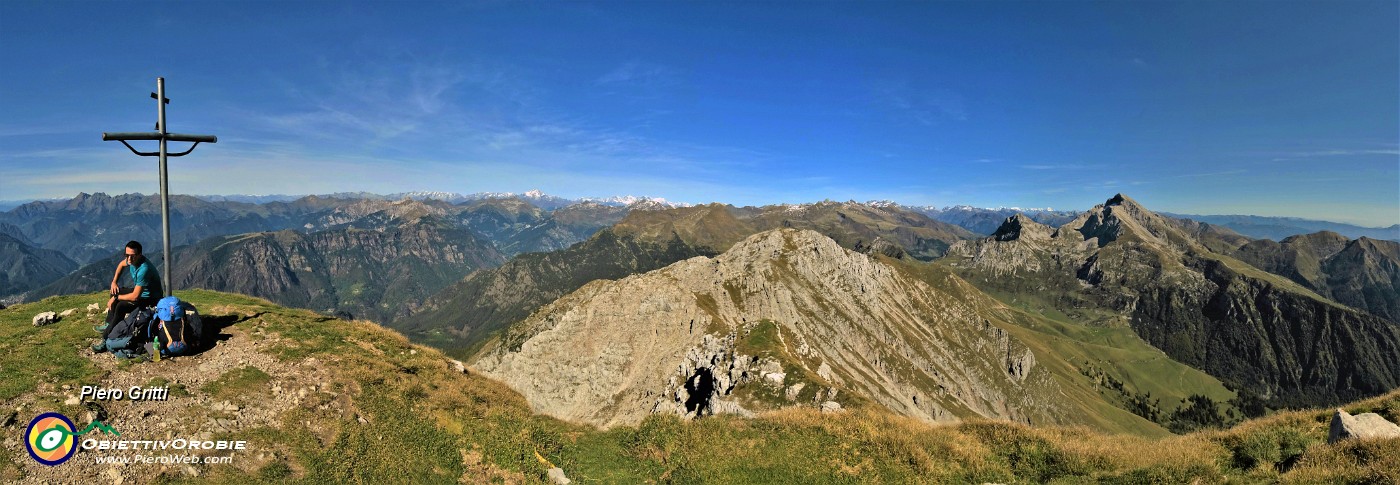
162, 135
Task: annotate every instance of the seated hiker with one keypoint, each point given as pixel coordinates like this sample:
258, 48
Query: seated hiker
144, 291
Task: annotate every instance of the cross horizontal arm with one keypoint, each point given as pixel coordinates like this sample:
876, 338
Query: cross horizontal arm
193, 138
155, 135
148, 135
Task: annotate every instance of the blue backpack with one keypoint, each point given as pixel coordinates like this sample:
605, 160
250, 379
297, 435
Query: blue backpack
177, 326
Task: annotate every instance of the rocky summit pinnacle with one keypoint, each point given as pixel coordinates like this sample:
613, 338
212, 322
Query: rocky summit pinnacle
1019, 226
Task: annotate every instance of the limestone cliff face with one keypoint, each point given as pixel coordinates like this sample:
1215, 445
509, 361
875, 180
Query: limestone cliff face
1170, 281
785, 317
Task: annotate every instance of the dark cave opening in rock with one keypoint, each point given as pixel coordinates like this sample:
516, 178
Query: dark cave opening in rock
699, 387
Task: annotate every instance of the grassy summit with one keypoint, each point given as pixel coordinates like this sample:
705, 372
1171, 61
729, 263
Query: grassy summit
328, 401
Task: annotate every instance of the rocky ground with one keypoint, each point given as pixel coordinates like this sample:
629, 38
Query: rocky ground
194, 410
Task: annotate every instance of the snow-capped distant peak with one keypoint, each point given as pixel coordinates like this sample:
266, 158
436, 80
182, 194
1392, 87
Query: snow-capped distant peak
452, 197
882, 204
631, 200
966, 208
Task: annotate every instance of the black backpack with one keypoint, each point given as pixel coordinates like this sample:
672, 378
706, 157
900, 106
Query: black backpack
126, 337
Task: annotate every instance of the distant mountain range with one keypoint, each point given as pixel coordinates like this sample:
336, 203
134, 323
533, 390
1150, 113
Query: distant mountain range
976, 219
371, 258
535, 197
986, 221
1278, 228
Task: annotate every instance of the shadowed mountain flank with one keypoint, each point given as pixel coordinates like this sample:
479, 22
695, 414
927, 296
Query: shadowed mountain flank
1121, 264
1362, 273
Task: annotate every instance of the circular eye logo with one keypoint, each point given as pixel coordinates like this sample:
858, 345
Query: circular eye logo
50, 439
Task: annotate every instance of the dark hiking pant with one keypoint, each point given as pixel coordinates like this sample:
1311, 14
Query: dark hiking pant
122, 308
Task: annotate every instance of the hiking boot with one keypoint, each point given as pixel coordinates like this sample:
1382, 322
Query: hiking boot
99, 347
101, 328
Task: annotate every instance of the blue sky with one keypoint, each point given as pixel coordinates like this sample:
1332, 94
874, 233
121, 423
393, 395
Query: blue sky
1268, 108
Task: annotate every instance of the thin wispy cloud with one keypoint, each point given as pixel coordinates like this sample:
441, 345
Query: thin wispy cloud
48, 156
12, 129
639, 73
87, 179
638, 84
927, 106
1209, 174
1063, 166
1303, 155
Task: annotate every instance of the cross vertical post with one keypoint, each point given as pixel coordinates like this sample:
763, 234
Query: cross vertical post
162, 135
164, 190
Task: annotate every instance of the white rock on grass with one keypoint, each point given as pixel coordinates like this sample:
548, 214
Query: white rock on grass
45, 318
556, 476
458, 366
68, 312
1361, 426
94, 308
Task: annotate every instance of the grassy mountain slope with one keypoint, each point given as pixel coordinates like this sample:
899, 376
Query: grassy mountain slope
1097, 363
465, 314
328, 401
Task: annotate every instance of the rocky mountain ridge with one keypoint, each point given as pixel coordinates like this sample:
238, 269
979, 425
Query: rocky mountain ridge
840, 329
24, 267
1170, 282
461, 316
1363, 273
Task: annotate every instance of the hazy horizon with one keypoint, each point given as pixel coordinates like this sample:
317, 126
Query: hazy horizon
6, 205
